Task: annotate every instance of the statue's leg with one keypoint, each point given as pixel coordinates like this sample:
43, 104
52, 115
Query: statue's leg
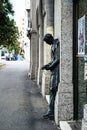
50, 113
52, 100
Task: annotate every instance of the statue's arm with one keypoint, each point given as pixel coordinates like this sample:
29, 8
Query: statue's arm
50, 65
47, 66
57, 57
53, 64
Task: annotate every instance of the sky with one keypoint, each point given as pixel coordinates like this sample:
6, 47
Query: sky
18, 6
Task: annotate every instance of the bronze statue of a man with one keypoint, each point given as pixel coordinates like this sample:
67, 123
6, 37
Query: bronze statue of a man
53, 66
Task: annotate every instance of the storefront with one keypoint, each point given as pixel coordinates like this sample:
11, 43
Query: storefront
80, 57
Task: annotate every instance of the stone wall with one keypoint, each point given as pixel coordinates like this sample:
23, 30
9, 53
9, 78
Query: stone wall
64, 31
33, 48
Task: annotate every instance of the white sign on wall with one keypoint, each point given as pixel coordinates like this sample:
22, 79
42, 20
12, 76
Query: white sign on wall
85, 71
81, 35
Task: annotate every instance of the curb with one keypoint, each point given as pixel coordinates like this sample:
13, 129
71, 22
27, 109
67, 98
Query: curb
2, 65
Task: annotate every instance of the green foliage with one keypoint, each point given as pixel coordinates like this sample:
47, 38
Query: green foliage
14, 47
8, 30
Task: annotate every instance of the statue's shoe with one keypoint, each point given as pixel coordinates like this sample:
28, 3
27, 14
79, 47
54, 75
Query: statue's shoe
48, 116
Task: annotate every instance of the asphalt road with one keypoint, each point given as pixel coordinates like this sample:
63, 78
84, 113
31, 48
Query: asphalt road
21, 104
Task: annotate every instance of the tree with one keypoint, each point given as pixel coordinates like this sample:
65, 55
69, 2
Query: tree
8, 30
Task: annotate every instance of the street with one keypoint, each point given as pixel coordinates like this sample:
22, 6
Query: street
21, 103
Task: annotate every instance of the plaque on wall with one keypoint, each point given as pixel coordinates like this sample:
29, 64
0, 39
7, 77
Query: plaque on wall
85, 71
81, 35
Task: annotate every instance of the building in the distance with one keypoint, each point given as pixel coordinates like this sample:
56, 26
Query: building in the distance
22, 30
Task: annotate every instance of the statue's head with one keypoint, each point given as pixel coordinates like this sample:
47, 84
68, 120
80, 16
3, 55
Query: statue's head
48, 38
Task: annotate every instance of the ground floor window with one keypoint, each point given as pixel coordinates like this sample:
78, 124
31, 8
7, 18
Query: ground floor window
81, 55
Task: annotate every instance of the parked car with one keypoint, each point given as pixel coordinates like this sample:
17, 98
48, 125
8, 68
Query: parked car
4, 53
10, 57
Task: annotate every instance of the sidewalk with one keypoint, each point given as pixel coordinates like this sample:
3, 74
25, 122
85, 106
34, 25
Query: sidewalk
21, 103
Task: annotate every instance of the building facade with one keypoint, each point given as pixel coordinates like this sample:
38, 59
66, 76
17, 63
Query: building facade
65, 20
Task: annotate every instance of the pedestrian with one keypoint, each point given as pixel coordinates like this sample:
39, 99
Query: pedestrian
53, 66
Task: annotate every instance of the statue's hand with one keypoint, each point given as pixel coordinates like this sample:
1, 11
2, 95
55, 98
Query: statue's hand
45, 67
